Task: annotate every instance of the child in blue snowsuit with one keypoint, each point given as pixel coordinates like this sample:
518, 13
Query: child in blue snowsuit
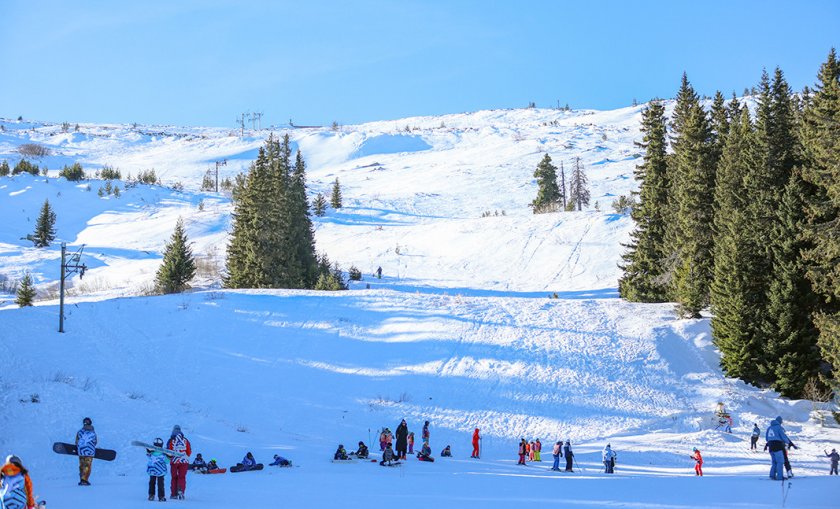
280, 461
156, 467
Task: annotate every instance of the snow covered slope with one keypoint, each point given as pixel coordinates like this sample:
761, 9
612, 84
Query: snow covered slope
460, 330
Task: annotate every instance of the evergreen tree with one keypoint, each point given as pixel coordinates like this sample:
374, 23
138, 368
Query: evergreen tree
720, 121
578, 187
821, 150
548, 193
302, 236
25, 292
642, 280
563, 195
4, 169
178, 266
44, 227
693, 188
319, 205
737, 296
335, 198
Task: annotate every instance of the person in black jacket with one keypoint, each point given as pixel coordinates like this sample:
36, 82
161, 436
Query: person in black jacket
567, 452
362, 453
402, 440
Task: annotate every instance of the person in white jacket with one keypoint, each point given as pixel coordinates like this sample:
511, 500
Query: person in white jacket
609, 460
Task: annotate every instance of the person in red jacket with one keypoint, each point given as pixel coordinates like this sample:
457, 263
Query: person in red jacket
698, 465
475, 441
179, 464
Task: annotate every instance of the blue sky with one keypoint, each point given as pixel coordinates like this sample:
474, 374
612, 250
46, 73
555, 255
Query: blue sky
203, 62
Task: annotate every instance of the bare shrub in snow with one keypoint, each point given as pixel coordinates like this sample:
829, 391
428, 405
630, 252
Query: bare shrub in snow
33, 150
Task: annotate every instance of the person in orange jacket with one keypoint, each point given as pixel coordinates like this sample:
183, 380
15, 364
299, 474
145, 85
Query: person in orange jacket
698, 459
475, 441
15, 485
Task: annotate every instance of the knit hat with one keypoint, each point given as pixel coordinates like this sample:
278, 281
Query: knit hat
176, 429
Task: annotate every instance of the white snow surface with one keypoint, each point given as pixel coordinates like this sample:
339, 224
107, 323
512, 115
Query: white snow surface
460, 330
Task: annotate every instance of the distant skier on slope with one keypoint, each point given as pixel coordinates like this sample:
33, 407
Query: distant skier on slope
567, 451
537, 448
608, 456
835, 459
556, 453
756, 432
476, 440
411, 443
402, 440
698, 462
523, 445
776, 442
86, 445
426, 436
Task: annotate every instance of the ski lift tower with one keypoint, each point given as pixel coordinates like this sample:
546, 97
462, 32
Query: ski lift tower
69, 266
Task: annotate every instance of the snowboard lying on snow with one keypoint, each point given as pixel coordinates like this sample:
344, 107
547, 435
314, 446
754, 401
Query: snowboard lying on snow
239, 467
72, 450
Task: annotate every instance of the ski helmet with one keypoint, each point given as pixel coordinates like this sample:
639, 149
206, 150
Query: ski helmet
694, 449
158, 442
87, 422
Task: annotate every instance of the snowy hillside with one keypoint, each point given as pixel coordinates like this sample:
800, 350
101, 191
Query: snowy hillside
459, 331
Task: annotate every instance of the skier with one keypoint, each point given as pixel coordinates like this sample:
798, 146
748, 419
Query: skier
756, 432
411, 443
178, 464
402, 440
198, 464
522, 449
387, 456
537, 448
776, 442
379, 273
567, 451
15, 485
86, 445
425, 453
557, 452
608, 457
426, 432
341, 453
156, 468
362, 453
698, 462
280, 461
476, 440
531, 450
248, 462
835, 459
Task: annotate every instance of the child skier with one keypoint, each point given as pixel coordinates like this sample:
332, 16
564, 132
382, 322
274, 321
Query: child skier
280, 461
425, 453
531, 450
608, 456
156, 468
476, 440
15, 485
556, 453
537, 448
756, 432
698, 462
411, 442
835, 459
387, 456
523, 450
446, 452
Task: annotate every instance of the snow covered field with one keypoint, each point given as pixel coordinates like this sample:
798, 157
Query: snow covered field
460, 330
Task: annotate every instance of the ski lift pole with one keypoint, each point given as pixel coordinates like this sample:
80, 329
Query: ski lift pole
68, 268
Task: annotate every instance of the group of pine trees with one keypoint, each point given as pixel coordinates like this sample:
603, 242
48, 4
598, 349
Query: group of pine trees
555, 193
742, 215
272, 241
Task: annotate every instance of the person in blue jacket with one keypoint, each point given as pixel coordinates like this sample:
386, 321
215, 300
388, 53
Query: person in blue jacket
280, 461
777, 440
249, 462
156, 467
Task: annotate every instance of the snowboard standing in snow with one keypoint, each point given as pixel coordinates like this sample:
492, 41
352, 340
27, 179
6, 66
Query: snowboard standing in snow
71, 450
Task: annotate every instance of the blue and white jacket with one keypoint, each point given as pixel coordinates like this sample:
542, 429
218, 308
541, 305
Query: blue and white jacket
86, 441
157, 464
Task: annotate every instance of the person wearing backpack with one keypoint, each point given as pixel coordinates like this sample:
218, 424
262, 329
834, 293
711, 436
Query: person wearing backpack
179, 464
86, 447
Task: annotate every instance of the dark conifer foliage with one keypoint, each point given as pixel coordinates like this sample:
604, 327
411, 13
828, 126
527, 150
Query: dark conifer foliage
178, 266
335, 197
644, 261
25, 292
45, 226
548, 192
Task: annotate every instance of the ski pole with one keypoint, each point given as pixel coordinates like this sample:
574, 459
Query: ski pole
790, 484
576, 464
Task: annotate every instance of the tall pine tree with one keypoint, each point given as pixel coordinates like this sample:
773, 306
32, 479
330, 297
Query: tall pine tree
642, 280
578, 187
45, 226
548, 193
178, 266
335, 197
25, 292
821, 150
